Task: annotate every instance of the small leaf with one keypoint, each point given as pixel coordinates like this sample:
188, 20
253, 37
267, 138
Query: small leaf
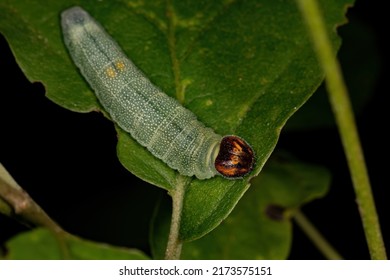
260, 227
40, 244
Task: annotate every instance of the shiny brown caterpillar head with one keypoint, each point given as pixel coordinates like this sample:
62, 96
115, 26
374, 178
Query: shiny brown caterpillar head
235, 158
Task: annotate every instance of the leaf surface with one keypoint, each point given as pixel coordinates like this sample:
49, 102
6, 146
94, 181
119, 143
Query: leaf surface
243, 67
260, 226
40, 244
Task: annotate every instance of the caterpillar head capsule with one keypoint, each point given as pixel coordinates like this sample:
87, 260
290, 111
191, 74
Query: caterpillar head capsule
235, 158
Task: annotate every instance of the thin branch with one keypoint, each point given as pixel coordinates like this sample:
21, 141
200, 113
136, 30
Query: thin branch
22, 205
316, 237
342, 109
174, 244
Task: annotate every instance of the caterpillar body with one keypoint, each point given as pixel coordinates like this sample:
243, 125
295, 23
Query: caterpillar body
169, 131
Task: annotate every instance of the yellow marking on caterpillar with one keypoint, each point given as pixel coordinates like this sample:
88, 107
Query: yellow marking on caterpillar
120, 65
110, 72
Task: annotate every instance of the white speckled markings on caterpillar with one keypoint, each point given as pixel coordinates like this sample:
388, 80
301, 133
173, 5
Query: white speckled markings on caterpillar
169, 131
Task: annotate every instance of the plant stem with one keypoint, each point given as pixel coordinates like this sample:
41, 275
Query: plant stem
316, 237
20, 203
342, 110
174, 244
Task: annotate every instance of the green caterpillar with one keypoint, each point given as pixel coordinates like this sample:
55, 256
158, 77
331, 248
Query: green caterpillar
158, 122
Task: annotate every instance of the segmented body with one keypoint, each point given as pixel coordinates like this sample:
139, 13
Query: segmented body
169, 131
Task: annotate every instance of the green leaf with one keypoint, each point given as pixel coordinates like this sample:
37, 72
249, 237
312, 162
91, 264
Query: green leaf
40, 244
260, 226
243, 67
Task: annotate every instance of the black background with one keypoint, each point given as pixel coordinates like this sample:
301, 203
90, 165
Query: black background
87, 192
